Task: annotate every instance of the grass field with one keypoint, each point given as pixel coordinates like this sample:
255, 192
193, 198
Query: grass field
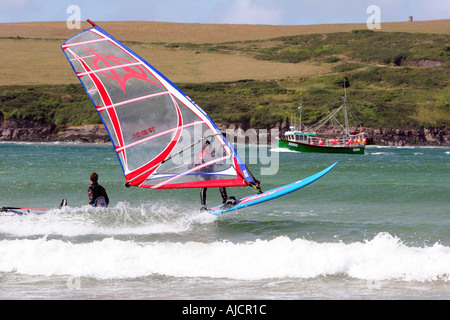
31, 52
205, 33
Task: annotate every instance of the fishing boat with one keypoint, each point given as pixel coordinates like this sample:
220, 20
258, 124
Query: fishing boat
307, 139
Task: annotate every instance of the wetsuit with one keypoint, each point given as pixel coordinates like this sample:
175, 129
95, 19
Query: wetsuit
97, 195
223, 193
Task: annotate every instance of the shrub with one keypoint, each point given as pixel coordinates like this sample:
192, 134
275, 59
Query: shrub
331, 59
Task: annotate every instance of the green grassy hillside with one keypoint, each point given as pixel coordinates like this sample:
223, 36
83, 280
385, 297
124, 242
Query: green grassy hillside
394, 79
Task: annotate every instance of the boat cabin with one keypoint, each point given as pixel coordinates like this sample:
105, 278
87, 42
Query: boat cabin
297, 136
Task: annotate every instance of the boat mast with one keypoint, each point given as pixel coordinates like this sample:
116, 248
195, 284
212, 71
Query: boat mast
345, 109
300, 111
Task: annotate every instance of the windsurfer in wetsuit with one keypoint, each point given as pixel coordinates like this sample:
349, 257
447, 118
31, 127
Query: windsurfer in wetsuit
97, 194
206, 155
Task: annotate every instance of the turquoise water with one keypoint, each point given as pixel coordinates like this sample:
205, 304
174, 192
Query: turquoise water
376, 227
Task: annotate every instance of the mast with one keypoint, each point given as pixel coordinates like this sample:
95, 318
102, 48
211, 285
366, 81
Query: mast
345, 109
300, 111
92, 23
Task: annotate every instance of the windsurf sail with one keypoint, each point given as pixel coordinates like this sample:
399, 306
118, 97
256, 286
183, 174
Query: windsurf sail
162, 138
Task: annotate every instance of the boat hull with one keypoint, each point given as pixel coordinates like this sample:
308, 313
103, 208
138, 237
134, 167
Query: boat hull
301, 147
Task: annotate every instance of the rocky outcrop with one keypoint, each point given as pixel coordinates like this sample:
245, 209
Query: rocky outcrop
89, 133
23, 130
421, 137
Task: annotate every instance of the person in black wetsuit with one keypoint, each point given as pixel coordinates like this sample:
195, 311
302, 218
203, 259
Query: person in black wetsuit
97, 194
223, 193
206, 155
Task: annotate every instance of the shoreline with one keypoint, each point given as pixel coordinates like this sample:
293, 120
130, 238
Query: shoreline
24, 131
107, 144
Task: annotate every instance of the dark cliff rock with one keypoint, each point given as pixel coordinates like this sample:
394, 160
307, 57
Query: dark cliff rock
23, 130
410, 137
88, 133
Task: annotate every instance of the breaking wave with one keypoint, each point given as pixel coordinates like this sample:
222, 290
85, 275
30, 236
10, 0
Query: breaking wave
382, 258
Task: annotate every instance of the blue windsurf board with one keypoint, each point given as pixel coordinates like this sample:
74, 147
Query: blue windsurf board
271, 194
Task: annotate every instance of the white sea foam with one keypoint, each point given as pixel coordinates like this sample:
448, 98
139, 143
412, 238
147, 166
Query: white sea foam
382, 258
282, 150
380, 153
122, 219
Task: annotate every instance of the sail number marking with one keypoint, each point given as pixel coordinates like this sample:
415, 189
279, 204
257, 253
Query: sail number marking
143, 133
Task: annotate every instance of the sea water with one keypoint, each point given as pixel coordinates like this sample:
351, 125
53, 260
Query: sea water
376, 227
